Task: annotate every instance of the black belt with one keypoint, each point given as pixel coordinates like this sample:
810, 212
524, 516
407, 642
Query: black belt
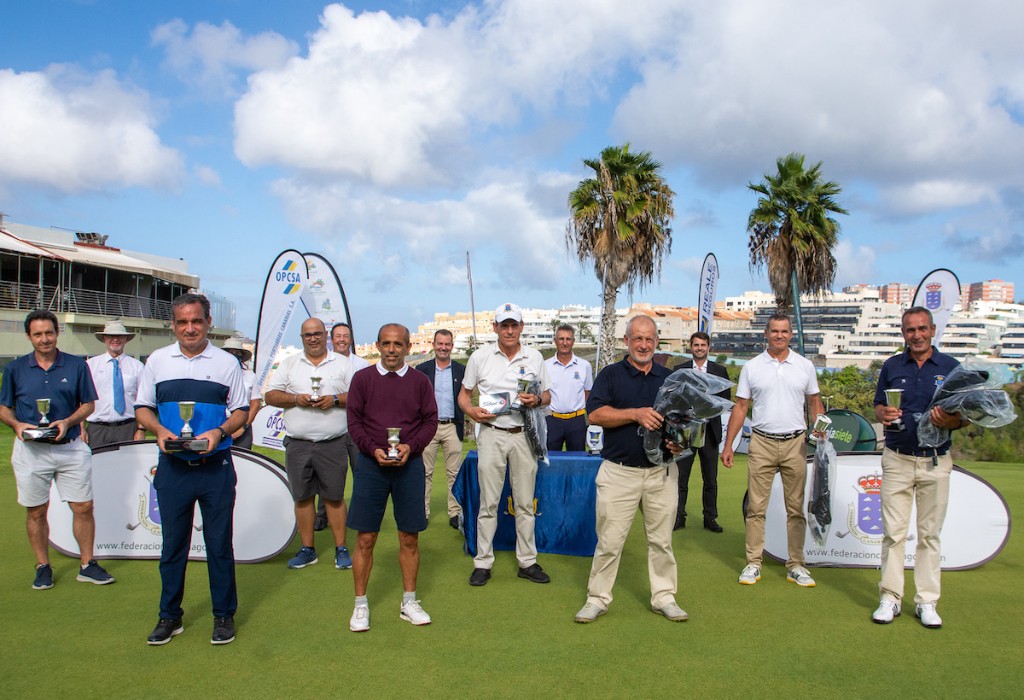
778, 437
924, 452
115, 424
445, 421
201, 461
513, 431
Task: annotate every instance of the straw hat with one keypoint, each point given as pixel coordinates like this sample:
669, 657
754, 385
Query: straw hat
235, 347
114, 328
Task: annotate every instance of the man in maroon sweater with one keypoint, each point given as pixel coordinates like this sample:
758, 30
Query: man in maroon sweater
389, 395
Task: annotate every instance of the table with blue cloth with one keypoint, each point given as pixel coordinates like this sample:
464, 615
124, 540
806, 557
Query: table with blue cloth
565, 493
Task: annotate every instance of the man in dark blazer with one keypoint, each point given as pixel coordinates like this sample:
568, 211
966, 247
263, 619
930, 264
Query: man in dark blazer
445, 376
700, 346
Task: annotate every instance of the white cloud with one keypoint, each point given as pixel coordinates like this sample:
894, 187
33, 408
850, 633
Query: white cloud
210, 56
208, 176
856, 264
76, 132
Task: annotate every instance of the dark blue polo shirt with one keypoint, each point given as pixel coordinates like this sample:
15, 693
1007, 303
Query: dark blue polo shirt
623, 386
919, 385
68, 384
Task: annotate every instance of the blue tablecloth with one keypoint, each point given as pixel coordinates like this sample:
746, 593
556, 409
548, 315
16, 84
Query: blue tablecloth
565, 493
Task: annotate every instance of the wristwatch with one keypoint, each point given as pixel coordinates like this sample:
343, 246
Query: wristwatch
336, 402
223, 433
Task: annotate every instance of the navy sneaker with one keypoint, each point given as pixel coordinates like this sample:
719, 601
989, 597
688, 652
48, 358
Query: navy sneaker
165, 629
342, 559
44, 577
223, 630
305, 557
94, 573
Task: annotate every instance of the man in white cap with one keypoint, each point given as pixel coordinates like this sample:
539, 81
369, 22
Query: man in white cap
495, 370
234, 346
116, 376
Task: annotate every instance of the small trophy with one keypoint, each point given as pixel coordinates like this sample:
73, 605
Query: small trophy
186, 409
894, 397
595, 439
821, 425
524, 388
393, 443
45, 432
315, 383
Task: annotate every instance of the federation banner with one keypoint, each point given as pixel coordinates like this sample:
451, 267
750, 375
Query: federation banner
128, 514
706, 293
938, 292
976, 528
323, 296
282, 291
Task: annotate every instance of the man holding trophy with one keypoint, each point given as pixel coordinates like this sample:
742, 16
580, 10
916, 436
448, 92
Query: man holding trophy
44, 397
911, 473
185, 392
392, 415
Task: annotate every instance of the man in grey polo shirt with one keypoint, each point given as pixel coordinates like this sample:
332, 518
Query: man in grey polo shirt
778, 382
315, 425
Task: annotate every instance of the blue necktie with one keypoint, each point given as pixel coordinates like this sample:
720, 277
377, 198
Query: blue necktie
118, 388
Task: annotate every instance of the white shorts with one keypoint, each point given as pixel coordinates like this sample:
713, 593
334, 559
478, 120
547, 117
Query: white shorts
37, 464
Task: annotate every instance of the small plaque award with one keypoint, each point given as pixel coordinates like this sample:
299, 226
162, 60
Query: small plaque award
314, 382
393, 442
187, 441
894, 397
44, 432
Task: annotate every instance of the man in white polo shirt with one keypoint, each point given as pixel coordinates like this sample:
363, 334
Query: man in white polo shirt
571, 380
496, 369
315, 423
778, 381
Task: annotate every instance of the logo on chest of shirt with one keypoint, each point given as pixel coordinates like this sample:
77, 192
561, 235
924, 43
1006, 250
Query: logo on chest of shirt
575, 375
939, 379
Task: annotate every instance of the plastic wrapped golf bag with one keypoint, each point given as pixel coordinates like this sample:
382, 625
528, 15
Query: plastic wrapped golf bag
687, 401
974, 390
535, 426
823, 477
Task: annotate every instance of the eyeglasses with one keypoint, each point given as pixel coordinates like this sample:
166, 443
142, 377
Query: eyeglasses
310, 336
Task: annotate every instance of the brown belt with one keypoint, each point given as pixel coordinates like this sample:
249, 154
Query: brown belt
513, 431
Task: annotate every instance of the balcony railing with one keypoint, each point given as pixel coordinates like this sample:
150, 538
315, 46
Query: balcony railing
82, 301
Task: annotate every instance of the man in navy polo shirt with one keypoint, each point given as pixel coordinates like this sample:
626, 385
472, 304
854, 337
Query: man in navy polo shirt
48, 373
911, 473
193, 369
621, 403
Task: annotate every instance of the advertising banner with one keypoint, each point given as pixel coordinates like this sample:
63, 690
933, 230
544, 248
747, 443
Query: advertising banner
268, 428
938, 292
282, 291
706, 294
128, 514
976, 528
323, 296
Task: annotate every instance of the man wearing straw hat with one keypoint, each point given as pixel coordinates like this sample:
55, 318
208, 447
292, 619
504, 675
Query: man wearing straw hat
116, 376
243, 436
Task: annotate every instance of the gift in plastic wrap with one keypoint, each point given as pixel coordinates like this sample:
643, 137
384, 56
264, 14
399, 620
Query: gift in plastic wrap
687, 402
974, 390
534, 424
823, 477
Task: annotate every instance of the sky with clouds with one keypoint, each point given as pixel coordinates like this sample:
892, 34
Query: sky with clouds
395, 137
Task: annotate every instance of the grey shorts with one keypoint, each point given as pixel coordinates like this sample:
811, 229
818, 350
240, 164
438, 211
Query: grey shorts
37, 464
316, 468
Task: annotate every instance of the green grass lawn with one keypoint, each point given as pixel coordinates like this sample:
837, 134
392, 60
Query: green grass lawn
512, 636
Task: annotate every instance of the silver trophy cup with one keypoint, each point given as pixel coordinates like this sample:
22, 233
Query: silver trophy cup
44, 432
894, 397
187, 441
821, 425
314, 382
393, 442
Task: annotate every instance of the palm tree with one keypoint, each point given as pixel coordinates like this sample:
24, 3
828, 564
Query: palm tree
792, 232
620, 221
585, 331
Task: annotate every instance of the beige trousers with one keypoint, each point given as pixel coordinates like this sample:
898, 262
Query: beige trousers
788, 458
906, 478
620, 490
448, 440
498, 449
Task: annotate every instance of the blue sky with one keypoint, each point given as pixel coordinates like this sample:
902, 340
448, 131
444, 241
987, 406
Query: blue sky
393, 137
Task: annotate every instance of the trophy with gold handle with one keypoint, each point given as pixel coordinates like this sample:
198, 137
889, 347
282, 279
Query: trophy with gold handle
44, 432
187, 441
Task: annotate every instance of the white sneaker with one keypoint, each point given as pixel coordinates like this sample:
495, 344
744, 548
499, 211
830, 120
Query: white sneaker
360, 621
672, 611
412, 612
929, 618
750, 575
800, 576
887, 610
590, 612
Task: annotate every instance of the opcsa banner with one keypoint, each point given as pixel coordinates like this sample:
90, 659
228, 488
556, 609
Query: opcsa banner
282, 291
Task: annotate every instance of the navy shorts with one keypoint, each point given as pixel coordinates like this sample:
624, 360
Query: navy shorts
371, 486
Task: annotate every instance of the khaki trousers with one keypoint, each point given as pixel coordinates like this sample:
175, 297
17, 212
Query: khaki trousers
788, 458
620, 490
448, 440
906, 478
496, 449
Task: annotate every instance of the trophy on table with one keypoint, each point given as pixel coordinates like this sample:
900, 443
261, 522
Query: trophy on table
187, 441
45, 432
314, 382
893, 397
393, 443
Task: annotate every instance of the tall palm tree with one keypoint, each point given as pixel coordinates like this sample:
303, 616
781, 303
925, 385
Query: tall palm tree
620, 221
792, 232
